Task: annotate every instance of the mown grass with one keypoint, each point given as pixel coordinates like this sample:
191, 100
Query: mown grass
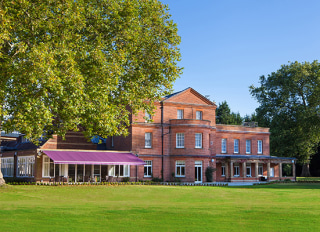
276, 207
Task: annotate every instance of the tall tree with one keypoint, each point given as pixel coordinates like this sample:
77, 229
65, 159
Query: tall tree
66, 63
88, 63
225, 116
289, 104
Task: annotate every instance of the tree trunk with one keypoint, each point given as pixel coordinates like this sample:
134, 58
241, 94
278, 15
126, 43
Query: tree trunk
305, 171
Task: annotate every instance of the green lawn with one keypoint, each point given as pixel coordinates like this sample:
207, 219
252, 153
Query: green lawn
276, 207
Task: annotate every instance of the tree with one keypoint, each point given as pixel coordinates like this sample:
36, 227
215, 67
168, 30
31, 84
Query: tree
225, 116
289, 104
67, 65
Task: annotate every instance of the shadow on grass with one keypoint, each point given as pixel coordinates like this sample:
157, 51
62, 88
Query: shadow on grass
295, 185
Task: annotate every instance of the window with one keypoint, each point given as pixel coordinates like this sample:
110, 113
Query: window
147, 117
198, 141
260, 170
236, 146
271, 172
259, 146
7, 166
148, 168
25, 166
180, 114
199, 115
248, 146
223, 170
248, 170
179, 140
236, 170
112, 141
224, 146
147, 141
180, 168
119, 170
47, 167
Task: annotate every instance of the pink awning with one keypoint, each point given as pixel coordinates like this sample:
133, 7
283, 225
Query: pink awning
93, 157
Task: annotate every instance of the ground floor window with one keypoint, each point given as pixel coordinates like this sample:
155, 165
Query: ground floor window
248, 170
148, 168
47, 167
223, 170
236, 170
260, 170
25, 166
180, 168
119, 170
271, 172
7, 166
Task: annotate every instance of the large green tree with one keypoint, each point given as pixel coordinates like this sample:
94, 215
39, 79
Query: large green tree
289, 104
225, 116
88, 63
66, 64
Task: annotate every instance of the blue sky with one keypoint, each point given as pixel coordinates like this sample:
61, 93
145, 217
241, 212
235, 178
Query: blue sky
227, 45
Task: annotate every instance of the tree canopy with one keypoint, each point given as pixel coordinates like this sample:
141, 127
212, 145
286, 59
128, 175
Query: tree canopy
66, 63
289, 104
225, 116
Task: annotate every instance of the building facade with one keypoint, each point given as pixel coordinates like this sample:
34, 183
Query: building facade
178, 142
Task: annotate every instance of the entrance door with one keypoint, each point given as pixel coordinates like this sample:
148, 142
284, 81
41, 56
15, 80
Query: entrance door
198, 172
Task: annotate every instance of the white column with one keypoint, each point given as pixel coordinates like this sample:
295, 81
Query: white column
280, 170
227, 170
268, 171
257, 170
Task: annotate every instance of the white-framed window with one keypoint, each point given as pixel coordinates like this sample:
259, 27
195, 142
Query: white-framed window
148, 140
223, 170
119, 170
180, 114
180, 140
47, 167
199, 115
223, 145
248, 170
236, 146
236, 170
271, 172
61, 170
198, 140
259, 146
180, 168
7, 166
248, 146
148, 168
25, 166
148, 117
260, 170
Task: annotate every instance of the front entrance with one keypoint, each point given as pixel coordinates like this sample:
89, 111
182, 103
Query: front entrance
198, 172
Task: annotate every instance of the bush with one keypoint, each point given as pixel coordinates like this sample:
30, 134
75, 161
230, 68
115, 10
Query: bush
156, 179
209, 172
125, 179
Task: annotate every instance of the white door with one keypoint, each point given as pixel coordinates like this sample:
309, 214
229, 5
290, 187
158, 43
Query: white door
198, 172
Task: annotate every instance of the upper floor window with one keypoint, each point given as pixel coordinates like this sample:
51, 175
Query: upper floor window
180, 114
180, 140
236, 146
259, 146
147, 117
248, 146
224, 146
199, 115
198, 140
147, 140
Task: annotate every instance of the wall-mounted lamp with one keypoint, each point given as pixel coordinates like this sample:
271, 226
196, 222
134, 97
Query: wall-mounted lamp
212, 160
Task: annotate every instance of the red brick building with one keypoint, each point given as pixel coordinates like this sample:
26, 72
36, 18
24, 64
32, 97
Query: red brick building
177, 143
183, 140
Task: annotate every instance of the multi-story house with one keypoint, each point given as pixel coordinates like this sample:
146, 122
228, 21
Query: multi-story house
181, 140
178, 142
